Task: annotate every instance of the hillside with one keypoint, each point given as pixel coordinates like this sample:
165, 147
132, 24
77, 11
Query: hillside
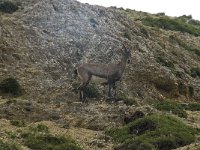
43, 41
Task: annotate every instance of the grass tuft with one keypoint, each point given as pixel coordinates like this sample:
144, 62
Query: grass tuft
39, 138
18, 123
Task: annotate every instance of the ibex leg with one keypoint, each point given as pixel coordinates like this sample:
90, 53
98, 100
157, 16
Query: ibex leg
114, 88
82, 87
112, 85
81, 95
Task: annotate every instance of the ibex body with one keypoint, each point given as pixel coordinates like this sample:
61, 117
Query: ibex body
110, 72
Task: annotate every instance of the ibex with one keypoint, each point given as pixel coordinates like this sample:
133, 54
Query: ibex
110, 72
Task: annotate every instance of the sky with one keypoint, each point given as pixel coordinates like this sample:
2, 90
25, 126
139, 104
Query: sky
169, 7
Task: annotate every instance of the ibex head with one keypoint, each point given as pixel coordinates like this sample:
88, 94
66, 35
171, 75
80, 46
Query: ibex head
126, 53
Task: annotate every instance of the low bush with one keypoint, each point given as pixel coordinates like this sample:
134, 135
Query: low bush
7, 6
90, 91
171, 106
8, 146
128, 101
165, 62
11, 86
142, 126
39, 138
155, 132
40, 128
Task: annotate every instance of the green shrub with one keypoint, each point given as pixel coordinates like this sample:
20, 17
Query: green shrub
171, 24
11, 134
194, 22
7, 6
18, 123
143, 125
75, 85
40, 128
171, 106
7, 146
11, 86
195, 72
90, 91
192, 106
158, 131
